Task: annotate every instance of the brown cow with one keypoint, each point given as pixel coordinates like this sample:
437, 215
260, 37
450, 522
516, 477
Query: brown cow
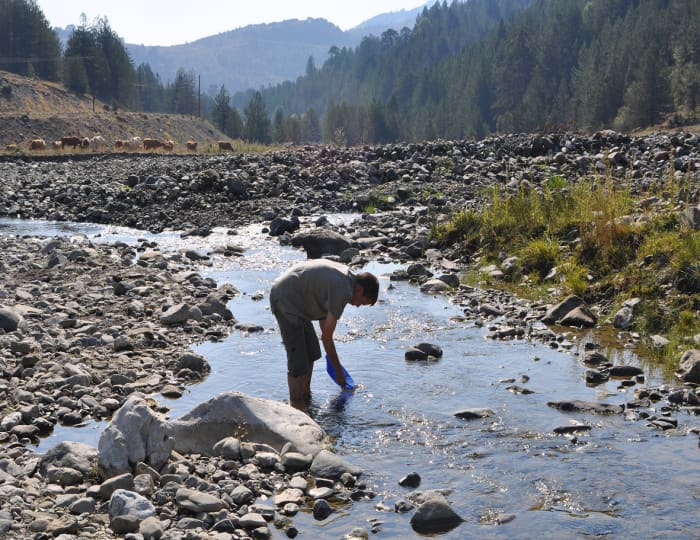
225, 145
120, 143
11, 147
192, 145
85, 143
152, 144
168, 145
37, 144
70, 140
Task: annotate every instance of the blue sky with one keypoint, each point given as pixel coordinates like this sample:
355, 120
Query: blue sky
171, 22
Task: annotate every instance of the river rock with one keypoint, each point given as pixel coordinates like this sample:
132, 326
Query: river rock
560, 310
586, 406
474, 414
135, 433
10, 319
328, 465
689, 366
75, 455
123, 502
435, 516
232, 413
319, 242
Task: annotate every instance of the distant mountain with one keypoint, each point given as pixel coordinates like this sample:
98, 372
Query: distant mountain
259, 55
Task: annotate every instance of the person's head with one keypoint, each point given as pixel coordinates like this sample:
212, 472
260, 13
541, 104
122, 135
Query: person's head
366, 290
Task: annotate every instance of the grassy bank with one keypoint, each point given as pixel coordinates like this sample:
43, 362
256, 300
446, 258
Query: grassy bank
603, 239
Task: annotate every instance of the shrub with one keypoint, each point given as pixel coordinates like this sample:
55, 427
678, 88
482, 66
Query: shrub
539, 256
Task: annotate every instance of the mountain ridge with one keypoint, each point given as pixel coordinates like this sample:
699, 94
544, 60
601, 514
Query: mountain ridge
254, 56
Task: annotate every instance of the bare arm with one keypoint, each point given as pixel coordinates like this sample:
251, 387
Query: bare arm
327, 329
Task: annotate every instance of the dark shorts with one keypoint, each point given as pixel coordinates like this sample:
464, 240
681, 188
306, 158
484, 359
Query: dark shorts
300, 342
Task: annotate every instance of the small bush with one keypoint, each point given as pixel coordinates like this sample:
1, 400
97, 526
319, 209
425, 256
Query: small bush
539, 256
6, 91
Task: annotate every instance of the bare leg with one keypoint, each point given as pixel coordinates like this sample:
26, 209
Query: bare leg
299, 390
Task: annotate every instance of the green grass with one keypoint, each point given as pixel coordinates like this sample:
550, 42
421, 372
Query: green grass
605, 245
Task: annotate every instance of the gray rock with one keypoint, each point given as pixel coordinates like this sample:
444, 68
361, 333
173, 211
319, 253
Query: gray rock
328, 465
560, 310
586, 406
689, 366
623, 318
435, 516
123, 502
198, 501
230, 413
228, 448
177, 314
78, 456
319, 242
135, 433
321, 509
10, 319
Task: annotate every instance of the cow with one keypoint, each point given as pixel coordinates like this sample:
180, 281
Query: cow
191, 145
11, 147
133, 143
168, 145
56, 145
70, 140
152, 144
225, 145
120, 143
85, 143
37, 144
97, 142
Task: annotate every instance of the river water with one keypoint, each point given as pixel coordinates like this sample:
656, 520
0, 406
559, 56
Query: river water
621, 479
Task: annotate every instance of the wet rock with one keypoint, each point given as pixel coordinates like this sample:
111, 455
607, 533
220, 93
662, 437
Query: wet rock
435, 516
328, 465
321, 509
319, 242
411, 480
474, 414
586, 406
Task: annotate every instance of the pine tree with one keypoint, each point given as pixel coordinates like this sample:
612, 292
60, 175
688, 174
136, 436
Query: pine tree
257, 121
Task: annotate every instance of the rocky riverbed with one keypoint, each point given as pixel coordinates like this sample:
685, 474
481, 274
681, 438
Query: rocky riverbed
88, 327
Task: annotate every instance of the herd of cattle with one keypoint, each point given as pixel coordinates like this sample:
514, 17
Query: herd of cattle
98, 144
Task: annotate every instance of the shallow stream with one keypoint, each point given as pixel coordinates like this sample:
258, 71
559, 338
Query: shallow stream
622, 479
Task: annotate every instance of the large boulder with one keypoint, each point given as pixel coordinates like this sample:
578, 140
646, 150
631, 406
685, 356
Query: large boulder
232, 414
135, 434
320, 242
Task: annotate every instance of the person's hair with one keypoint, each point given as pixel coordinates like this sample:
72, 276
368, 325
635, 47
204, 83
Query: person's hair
370, 285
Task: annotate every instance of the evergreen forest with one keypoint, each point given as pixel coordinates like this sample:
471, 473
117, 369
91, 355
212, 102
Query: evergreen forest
465, 70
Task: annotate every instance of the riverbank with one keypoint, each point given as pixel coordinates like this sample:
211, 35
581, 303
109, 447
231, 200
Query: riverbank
91, 327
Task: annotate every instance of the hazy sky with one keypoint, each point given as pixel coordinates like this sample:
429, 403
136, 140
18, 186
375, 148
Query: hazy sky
171, 22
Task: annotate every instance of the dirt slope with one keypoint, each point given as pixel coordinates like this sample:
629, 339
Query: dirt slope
31, 108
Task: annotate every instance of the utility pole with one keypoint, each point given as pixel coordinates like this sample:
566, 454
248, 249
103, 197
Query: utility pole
199, 96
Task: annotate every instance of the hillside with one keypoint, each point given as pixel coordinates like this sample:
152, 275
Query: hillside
31, 108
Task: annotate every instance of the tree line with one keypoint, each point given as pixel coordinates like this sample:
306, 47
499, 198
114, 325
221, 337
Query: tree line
468, 69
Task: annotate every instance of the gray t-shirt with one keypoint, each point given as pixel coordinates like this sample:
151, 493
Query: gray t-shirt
312, 289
